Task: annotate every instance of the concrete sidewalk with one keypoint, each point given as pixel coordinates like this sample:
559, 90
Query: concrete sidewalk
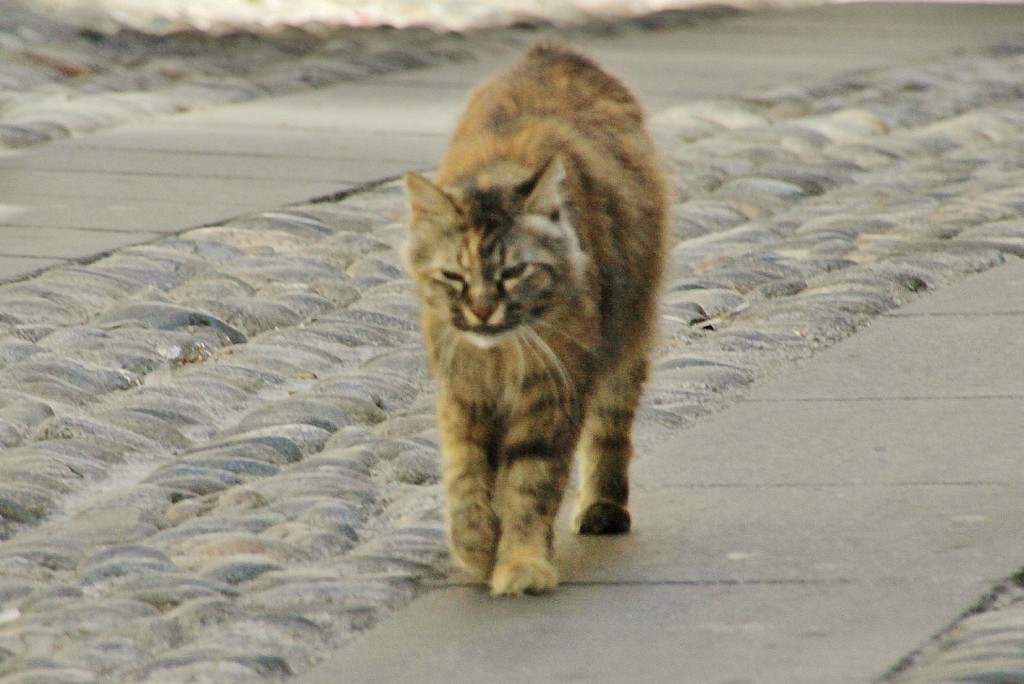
820, 531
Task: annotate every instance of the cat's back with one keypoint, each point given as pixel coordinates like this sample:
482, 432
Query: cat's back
552, 83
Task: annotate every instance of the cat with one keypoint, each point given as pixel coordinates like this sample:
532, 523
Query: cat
537, 256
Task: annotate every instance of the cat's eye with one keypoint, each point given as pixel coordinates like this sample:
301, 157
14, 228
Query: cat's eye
452, 278
555, 215
514, 272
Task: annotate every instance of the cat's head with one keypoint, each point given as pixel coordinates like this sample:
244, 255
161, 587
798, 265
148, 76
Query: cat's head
494, 254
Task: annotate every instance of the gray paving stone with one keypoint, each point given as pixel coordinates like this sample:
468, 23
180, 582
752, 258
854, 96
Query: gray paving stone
87, 378
987, 348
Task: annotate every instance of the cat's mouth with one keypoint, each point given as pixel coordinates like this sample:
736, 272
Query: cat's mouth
488, 328
491, 329
484, 320
486, 336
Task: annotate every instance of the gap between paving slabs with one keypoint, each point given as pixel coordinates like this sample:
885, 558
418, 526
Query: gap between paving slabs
266, 500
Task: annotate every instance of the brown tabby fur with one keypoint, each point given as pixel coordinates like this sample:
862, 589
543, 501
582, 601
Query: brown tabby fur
537, 257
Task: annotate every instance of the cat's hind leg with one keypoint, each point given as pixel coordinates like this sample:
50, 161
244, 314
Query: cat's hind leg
606, 449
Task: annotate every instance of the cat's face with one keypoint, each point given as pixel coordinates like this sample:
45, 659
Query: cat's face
490, 260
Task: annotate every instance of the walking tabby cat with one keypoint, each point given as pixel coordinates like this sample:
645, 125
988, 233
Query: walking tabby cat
537, 254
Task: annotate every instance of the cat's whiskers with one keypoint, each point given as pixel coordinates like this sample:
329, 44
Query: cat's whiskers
523, 367
537, 359
451, 343
560, 380
514, 383
555, 330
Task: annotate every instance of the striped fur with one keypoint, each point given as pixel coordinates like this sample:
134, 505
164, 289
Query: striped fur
537, 254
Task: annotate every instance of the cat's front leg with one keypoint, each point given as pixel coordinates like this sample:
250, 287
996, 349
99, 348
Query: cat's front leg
472, 531
528, 492
469, 482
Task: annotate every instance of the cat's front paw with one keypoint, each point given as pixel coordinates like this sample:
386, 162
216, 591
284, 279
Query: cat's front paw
529, 576
603, 517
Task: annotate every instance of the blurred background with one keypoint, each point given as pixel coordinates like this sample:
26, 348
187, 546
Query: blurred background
225, 16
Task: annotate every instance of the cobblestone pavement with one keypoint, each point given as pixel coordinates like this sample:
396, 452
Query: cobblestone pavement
219, 459
58, 80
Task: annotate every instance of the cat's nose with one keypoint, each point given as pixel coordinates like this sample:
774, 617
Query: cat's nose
483, 310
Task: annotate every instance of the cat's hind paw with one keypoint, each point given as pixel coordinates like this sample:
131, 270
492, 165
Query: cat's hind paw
603, 517
532, 576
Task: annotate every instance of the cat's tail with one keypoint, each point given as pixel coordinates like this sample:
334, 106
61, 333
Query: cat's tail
556, 58
556, 50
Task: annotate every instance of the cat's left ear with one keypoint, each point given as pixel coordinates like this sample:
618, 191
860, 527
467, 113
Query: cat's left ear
427, 200
548, 192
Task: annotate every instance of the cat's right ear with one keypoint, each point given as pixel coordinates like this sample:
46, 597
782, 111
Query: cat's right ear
427, 201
